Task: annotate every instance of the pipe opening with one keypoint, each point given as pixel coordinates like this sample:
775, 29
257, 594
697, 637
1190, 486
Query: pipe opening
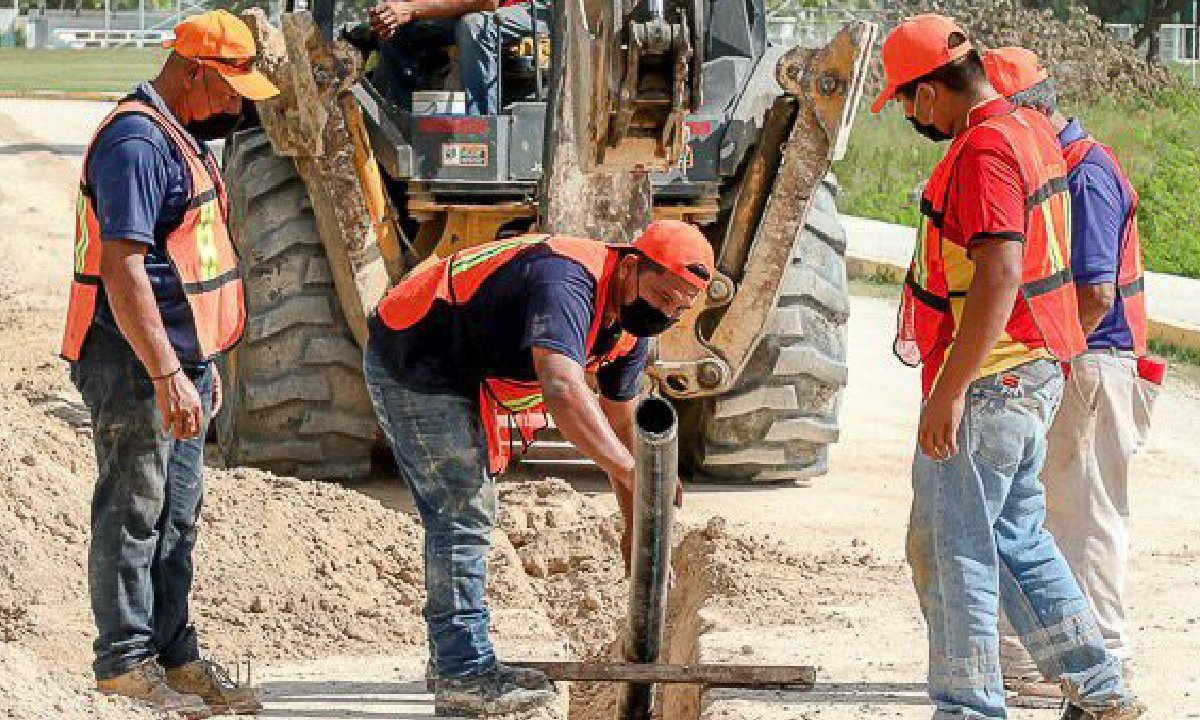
655, 416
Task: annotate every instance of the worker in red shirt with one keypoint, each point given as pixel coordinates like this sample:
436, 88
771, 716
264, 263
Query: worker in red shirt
988, 311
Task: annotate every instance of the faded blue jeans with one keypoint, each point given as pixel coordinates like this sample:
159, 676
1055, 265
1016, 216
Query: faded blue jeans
438, 443
976, 539
145, 507
478, 36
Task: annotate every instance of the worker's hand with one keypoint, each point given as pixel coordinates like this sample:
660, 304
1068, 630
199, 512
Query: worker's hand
179, 405
937, 434
387, 17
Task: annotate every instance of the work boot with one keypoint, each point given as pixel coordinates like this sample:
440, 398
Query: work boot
527, 678
1130, 711
147, 683
492, 693
1035, 692
212, 683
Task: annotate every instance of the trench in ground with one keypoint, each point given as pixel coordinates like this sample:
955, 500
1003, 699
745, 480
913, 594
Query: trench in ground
681, 642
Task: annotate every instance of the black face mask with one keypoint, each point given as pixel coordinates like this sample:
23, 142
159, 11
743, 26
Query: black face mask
929, 132
214, 127
641, 319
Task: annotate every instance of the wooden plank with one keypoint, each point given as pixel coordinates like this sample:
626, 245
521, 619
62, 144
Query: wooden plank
791, 677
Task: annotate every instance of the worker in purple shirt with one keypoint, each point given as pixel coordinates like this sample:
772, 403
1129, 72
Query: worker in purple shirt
1105, 418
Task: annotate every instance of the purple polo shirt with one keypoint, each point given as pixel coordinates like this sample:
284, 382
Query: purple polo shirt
1100, 205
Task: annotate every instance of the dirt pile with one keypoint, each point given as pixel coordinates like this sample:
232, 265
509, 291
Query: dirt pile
1085, 59
27, 692
284, 568
568, 546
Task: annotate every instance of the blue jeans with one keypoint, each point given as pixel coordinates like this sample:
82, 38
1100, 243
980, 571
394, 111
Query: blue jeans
976, 539
144, 511
478, 37
438, 443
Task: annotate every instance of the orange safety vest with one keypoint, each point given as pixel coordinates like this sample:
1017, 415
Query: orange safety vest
199, 249
1131, 281
512, 411
925, 327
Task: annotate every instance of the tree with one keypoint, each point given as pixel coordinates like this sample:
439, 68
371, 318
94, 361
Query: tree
1157, 13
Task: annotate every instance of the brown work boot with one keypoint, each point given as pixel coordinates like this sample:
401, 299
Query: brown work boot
147, 683
212, 682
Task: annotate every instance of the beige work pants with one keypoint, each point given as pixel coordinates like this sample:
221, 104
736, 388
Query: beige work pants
1103, 420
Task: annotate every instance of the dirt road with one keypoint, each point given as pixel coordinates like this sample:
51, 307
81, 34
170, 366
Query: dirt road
861, 623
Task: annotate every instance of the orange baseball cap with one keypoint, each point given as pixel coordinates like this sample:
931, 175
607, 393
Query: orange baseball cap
1013, 69
221, 41
679, 247
915, 48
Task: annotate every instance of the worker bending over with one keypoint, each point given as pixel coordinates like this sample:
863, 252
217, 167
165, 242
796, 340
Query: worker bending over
464, 359
156, 295
1106, 407
988, 310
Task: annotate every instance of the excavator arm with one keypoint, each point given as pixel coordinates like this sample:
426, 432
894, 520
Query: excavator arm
622, 83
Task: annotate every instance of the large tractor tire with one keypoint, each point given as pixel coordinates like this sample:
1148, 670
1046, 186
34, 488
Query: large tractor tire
776, 425
295, 400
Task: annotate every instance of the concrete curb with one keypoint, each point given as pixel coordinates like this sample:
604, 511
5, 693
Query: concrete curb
860, 265
54, 95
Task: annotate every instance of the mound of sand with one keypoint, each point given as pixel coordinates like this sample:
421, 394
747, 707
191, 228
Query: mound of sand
1084, 57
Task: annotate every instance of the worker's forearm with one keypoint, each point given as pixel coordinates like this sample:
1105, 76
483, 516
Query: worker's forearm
131, 298
577, 414
434, 9
986, 311
1095, 302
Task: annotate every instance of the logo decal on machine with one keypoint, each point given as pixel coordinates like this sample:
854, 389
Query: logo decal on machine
464, 154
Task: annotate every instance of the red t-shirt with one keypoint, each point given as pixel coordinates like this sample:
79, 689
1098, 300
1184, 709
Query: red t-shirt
986, 201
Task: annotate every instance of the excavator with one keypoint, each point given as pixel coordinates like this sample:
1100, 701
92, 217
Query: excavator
613, 113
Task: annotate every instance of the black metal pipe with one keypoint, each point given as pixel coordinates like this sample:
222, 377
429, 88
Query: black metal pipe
656, 474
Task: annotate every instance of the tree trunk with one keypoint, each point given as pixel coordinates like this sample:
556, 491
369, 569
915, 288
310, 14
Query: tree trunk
1158, 12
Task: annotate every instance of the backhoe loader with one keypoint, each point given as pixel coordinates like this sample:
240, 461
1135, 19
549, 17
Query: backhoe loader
617, 112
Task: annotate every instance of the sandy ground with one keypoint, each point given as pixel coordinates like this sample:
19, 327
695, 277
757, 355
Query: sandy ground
864, 630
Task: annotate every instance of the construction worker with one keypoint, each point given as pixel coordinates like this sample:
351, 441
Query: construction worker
988, 309
464, 360
156, 294
1106, 408
411, 28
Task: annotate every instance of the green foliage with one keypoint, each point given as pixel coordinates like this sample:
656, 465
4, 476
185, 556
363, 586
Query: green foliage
112, 70
1158, 143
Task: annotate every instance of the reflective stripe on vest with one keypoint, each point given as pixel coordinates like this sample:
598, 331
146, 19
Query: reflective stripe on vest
512, 411
1131, 281
925, 326
199, 249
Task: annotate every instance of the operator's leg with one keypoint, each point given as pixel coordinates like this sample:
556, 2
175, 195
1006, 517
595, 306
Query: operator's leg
479, 37
401, 58
438, 445
1040, 595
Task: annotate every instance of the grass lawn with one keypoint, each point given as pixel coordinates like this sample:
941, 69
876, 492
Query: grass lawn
92, 70
1158, 145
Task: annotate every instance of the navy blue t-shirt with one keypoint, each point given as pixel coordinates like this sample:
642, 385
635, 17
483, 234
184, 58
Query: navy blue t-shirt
140, 186
1100, 206
537, 299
